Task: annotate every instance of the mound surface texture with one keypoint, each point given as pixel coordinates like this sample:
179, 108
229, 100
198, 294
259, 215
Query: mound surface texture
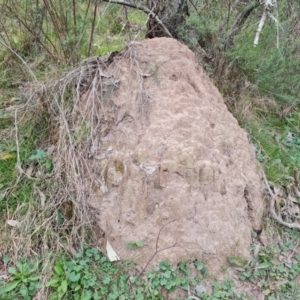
173, 160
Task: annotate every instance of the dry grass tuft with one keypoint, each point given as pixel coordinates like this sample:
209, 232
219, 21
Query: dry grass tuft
80, 114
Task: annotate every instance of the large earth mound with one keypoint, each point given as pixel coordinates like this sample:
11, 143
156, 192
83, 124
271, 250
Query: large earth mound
170, 170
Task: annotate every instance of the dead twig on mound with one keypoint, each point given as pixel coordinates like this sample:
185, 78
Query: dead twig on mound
156, 247
272, 207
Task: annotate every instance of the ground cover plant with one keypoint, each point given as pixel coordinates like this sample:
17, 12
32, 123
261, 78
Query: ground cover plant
91, 275
261, 87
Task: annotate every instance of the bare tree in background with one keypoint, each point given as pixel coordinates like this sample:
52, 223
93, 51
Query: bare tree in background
164, 16
171, 13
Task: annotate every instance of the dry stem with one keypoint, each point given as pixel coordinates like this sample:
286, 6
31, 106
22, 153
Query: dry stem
272, 207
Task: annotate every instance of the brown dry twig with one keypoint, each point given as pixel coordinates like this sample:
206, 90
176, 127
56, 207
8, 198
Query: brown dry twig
156, 247
144, 9
296, 183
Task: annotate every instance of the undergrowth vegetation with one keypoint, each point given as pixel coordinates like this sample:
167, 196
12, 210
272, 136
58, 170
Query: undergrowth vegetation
261, 85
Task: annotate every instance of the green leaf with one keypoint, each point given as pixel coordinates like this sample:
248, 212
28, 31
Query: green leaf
129, 245
242, 278
39, 155
77, 288
59, 218
265, 265
97, 296
87, 295
58, 269
77, 268
106, 280
12, 270
21, 266
10, 286
53, 282
167, 274
49, 166
78, 255
74, 277
24, 292
6, 259
64, 286
140, 243
34, 277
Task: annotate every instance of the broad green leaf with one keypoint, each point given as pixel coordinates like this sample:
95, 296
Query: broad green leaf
34, 277
49, 165
21, 266
12, 270
53, 282
39, 155
64, 286
140, 243
58, 269
10, 286
77, 268
265, 265
59, 218
24, 292
87, 295
74, 277
106, 279
6, 259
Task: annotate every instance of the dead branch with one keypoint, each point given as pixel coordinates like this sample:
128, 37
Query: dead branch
231, 9
20, 58
260, 26
272, 207
156, 247
144, 9
239, 21
234, 5
296, 183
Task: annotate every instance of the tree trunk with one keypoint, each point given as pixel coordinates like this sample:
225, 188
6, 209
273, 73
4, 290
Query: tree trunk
172, 13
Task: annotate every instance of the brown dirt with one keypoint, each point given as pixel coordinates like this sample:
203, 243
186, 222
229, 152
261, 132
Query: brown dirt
170, 150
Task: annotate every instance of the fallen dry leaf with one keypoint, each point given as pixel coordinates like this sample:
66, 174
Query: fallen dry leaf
256, 250
50, 150
13, 223
43, 198
29, 171
6, 156
112, 255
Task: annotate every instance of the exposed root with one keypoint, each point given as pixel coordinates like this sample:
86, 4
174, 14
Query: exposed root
273, 213
296, 183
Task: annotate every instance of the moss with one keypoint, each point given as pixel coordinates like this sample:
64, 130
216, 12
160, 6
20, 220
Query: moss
119, 166
237, 261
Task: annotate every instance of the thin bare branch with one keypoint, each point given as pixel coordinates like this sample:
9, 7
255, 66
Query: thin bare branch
239, 21
260, 26
144, 9
156, 247
20, 58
